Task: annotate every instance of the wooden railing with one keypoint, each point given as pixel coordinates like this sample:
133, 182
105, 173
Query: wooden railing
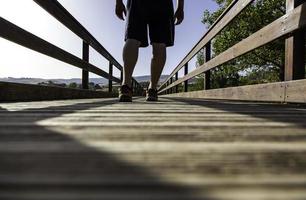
291, 26
16, 34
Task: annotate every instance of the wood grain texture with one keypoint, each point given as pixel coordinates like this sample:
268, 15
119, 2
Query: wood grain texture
295, 49
27, 92
281, 92
272, 92
174, 149
296, 91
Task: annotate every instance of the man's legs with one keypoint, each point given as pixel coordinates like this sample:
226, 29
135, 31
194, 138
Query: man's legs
130, 56
157, 64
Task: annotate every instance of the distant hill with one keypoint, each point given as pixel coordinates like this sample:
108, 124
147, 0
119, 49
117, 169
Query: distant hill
148, 78
100, 81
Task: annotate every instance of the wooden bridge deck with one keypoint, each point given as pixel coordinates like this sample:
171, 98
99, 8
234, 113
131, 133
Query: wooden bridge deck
174, 149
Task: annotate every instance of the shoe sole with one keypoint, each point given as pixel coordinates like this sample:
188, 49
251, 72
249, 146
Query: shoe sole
151, 99
125, 98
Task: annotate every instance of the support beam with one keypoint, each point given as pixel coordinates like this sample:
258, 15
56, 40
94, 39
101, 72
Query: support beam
295, 49
85, 73
110, 82
171, 89
207, 74
121, 76
167, 84
186, 82
176, 87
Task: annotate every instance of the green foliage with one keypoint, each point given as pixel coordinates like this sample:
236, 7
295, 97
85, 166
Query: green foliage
73, 85
264, 64
197, 85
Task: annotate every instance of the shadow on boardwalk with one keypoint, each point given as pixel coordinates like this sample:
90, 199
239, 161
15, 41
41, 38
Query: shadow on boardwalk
283, 113
68, 169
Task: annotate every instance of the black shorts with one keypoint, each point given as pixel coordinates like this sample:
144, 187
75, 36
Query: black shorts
155, 15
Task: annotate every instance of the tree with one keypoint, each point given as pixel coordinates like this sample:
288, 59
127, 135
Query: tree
266, 62
73, 85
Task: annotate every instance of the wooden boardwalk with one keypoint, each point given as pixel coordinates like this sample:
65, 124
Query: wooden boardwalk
175, 149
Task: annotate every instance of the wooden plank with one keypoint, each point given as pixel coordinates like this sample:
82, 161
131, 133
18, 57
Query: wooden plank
187, 148
150, 134
290, 92
15, 34
273, 92
228, 194
292, 21
234, 9
178, 148
295, 50
296, 91
63, 16
26, 92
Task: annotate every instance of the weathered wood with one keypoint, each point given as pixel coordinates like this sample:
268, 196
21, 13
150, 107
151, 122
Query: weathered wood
85, 74
176, 78
186, 81
288, 92
170, 82
25, 92
295, 49
176, 149
110, 82
207, 74
121, 76
296, 91
292, 21
233, 10
16, 34
274, 92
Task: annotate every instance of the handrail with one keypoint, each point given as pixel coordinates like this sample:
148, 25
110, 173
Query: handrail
55, 9
294, 20
224, 19
15, 34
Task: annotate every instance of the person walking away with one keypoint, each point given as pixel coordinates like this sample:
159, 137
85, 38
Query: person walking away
157, 19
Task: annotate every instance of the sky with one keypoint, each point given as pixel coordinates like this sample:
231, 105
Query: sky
98, 17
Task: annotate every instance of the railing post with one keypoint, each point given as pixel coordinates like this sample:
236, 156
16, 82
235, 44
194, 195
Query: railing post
167, 84
121, 76
85, 73
136, 89
186, 82
171, 81
110, 82
295, 49
176, 78
207, 74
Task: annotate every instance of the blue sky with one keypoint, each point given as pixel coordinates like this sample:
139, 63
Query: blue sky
99, 18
